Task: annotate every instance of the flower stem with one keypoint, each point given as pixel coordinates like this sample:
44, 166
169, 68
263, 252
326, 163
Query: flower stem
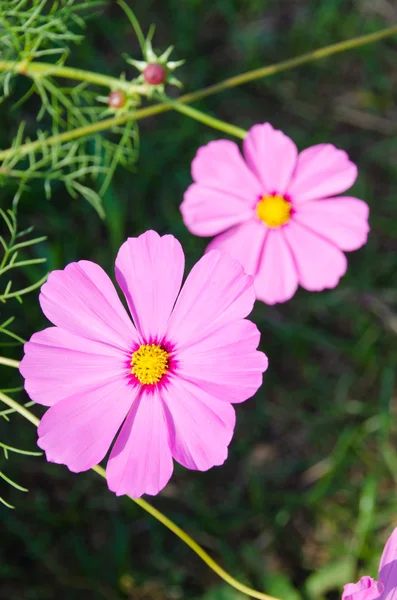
193, 545
8, 362
135, 23
150, 111
41, 68
197, 115
86, 130
160, 517
19, 409
37, 70
290, 63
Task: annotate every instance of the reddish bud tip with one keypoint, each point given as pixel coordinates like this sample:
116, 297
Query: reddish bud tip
154, 74
117, 99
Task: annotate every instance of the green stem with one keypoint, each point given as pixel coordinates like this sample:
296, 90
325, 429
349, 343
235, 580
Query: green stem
8, 362
36, 70
11, 482
135, 23
19, 409
79, 132
160, 517
193, 545
26, 290
290, 63
22, 263
185, 99
8, 448
208, 120
41, 68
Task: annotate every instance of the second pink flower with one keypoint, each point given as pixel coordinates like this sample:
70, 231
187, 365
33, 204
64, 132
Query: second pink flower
276, 211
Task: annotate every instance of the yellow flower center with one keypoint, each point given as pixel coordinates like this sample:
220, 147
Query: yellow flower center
274, 210
149, 363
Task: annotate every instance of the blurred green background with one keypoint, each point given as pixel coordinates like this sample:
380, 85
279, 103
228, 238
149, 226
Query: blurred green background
307, 496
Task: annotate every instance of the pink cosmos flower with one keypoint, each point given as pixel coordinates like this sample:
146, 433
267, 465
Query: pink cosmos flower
384, 589
274, 212
168, 379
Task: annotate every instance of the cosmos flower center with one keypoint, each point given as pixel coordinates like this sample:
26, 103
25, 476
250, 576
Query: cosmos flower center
274, 210
149, 363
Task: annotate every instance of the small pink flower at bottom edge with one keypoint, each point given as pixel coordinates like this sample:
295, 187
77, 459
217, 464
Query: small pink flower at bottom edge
276, 211
386, 586
162, 384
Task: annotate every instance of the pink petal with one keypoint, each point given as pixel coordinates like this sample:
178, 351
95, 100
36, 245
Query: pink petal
200, 426
343, 220
58, 364
320, 264
207, 211
388, 568
83, 300
389, 554
78, 431
220, 166
140, 461
149, 270
365, 589
225, 364
243, 242
216, 292
277, 277
321, 171
272, 156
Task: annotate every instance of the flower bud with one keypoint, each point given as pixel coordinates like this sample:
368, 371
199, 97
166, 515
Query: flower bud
117, 99
154, 74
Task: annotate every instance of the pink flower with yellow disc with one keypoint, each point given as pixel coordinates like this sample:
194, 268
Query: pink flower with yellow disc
276, 211
162, 383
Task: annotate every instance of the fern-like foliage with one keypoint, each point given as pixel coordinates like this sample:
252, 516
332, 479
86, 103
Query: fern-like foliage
37, 29
10, 261
43, 30
13, 244
80, 164
6, 449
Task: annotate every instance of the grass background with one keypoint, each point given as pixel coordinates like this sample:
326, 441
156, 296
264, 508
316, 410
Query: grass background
308, 494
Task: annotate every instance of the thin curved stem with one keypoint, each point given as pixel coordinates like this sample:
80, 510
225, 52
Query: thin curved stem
290, 63
26, 290
41, 68
8, 362
19, 409
134, 22
160, 517
197, 115
186, 98
79, 132
193, 545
